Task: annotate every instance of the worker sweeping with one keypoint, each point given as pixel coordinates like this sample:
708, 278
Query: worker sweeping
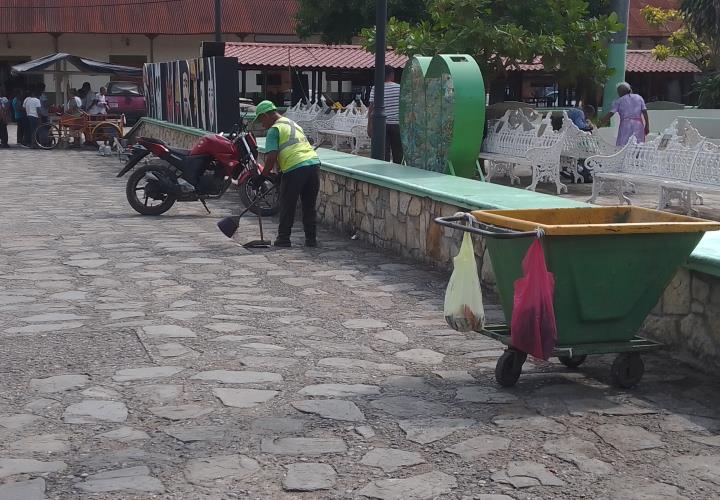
288, 150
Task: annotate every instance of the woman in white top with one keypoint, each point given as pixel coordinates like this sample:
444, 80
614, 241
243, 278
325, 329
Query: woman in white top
99, 105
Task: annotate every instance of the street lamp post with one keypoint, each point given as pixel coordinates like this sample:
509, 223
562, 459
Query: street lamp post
218, 20
379, 118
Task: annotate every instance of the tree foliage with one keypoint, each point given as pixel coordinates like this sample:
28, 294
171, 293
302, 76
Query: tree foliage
682, 42
339, 21
569, 35
703, 16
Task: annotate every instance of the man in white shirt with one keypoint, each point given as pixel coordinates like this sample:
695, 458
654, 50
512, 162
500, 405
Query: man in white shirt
99, 105
392, 111
32, 106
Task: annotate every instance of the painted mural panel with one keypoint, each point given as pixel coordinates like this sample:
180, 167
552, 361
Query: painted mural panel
201, 93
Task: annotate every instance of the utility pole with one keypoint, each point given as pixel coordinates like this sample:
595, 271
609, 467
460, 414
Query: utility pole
218, 20
616, 54
379, 118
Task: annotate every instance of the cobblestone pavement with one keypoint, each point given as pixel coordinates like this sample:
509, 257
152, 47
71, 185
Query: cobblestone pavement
154, 358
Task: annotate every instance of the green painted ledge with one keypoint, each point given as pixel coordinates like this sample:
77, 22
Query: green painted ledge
464, 193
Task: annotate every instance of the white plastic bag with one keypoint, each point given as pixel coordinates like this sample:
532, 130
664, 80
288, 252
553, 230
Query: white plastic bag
463, 298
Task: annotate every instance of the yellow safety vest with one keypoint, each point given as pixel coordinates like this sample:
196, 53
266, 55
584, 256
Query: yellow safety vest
293, 146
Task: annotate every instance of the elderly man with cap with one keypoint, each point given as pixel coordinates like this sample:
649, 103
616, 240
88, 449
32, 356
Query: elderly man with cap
287, 148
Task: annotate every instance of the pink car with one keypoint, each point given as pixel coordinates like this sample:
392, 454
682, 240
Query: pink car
126, 98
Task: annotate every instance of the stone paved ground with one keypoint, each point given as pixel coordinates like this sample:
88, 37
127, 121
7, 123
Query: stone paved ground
153, 358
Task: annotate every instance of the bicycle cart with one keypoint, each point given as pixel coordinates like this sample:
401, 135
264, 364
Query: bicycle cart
611, 266
66, 127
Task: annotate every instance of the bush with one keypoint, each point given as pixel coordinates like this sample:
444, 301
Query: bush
708, 91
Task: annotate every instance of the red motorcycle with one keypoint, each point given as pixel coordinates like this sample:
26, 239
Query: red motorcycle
202, 173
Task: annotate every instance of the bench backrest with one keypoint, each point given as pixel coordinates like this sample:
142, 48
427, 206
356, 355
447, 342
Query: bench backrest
706, 167
514, 134
580, 144
663, 157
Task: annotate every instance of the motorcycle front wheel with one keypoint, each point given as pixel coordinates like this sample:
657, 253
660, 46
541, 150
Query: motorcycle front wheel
144, 193
269, 202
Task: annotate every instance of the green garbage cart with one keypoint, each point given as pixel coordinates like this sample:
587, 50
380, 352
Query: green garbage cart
611, 266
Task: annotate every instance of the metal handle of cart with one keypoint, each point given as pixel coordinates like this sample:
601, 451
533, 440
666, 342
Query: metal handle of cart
476, 227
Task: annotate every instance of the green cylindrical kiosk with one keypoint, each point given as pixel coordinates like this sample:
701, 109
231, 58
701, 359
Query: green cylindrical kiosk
413, 130
443, 113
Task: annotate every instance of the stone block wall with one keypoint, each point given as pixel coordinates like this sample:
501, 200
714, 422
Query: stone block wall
392, 220
687, 318
174, 137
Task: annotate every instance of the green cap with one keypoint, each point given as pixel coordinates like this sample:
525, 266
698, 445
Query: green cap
264, 107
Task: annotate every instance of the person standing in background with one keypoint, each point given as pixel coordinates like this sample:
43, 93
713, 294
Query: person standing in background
4, 119
634, 121
86, 94
99, 104
393, 144
32, 107
19, 115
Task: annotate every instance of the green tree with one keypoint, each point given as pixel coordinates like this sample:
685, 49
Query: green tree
682, 42
703, 16
569, 35
340, 21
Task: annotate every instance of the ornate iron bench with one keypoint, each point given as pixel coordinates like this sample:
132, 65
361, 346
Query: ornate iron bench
679, 161
516, 140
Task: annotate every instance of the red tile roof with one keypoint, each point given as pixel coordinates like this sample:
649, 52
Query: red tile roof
310, 56
638, 61
186, 17
642, 61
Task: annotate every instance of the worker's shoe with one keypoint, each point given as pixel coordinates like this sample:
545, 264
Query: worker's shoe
310, 242
282, 242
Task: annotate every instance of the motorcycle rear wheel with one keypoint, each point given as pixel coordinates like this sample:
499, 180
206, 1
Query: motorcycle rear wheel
150, 190
267, 207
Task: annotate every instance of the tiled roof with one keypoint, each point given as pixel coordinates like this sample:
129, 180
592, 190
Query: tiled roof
310, 56
186, 17
642, 61
638, 61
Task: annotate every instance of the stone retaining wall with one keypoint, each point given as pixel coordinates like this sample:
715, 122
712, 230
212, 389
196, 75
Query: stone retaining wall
175, 137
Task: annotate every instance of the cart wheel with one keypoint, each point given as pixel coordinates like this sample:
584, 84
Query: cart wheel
572, 362
48, 136
105, 131
509, 367
627, 369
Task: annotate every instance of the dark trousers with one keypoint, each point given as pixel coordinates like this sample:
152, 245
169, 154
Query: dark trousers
31, 125
3, 134
20, 130
303, 183
393, 144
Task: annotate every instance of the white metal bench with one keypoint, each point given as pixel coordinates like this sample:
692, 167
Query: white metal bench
516, 140
340, 128
679, 161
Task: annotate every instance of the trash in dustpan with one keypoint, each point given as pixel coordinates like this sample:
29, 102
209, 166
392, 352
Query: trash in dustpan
464, 310
533, 329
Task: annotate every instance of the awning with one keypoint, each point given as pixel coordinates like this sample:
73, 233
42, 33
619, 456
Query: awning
308, 56
84, 66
